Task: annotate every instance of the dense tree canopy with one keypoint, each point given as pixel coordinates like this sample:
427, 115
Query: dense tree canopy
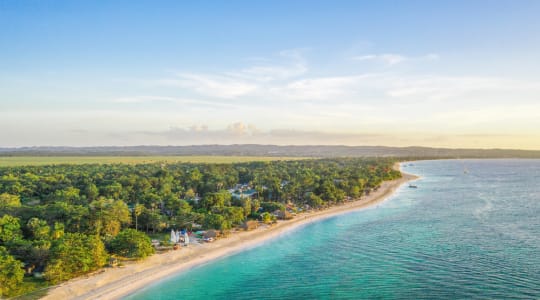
57, 219
132, 243
75, 254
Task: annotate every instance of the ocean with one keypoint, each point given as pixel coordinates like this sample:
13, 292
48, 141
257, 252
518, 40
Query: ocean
471, 230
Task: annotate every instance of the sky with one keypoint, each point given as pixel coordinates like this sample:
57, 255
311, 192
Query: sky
396, 73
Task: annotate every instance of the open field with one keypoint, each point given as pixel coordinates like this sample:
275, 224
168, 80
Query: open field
12, 161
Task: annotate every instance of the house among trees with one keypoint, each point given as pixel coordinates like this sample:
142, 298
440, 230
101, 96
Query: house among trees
242, 191
250, 225
283, 214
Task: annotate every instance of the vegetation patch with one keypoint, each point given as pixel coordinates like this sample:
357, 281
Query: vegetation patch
58, 222
13, 161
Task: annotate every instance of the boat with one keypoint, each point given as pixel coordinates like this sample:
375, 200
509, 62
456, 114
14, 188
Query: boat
412, 186
174, 238
186, 238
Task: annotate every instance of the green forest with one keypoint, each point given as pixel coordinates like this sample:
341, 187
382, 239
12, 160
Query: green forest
62, 221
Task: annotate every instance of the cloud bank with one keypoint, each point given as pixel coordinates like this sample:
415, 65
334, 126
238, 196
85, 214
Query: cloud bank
286, 100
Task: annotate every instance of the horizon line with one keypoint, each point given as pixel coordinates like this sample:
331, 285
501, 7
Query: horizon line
267, 145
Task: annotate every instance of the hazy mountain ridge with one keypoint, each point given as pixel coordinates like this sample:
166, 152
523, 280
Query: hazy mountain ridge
271, 150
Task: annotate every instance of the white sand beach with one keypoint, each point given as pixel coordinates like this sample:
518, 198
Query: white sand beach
115, 283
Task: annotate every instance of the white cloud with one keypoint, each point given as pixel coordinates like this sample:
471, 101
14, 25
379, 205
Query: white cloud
295, 102
294, 66
366, 57
170, 100
267, 73
322, 88
241, 133
218, 86
287, 81
387, 58
236, 84
458, 87
474, 127
274, 87
391, 59
144, 99
240, 129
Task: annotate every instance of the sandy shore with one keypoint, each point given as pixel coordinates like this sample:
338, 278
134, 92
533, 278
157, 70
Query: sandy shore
115, 283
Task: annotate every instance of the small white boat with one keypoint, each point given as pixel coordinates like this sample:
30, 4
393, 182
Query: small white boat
174, 238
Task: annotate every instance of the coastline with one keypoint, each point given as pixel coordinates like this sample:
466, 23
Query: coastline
120, 282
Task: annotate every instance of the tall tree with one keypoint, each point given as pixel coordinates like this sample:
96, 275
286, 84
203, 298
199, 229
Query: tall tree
107, 216
11, 273
132, 243
75, 254
8, 200
10, 229
38, 229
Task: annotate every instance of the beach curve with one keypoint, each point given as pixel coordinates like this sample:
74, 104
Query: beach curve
115, 283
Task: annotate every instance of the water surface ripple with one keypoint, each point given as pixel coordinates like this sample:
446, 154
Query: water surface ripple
470, 231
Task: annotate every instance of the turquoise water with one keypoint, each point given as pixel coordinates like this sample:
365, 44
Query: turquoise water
468, 235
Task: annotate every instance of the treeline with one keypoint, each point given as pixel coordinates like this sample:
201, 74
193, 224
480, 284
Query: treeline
273, 150
66, 220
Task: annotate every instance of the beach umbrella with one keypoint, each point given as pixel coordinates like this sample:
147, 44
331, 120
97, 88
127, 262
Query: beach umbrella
186, 238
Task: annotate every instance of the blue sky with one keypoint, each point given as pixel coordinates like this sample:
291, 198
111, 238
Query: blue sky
431, 73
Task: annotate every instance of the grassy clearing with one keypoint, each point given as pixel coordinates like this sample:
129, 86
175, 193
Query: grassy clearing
12, 161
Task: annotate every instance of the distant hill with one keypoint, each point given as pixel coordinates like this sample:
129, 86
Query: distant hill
271, 150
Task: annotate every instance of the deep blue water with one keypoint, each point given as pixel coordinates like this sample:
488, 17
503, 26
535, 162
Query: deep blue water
473, 235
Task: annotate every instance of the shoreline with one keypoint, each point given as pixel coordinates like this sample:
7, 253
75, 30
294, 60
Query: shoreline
115, 283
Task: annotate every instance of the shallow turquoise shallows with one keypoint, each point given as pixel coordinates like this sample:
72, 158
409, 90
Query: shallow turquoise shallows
471, 230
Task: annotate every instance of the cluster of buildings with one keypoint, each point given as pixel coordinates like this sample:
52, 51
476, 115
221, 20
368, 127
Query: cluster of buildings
241, 191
